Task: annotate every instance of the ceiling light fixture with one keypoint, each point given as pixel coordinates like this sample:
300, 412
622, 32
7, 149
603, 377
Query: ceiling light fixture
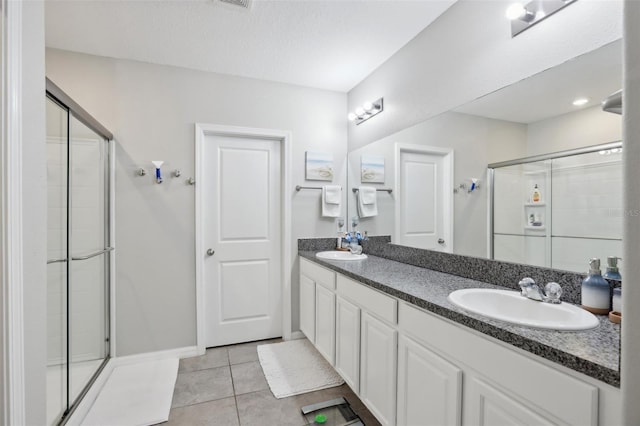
581, 101
518, 11
366, 111
523, 17
610, 151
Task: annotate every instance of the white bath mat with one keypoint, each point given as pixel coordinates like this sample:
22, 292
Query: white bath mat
135, 395
296, 367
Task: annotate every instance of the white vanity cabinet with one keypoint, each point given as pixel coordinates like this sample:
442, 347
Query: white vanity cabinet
429, 387
502, 385
326, 323
485, 404
378, 342
348, 342
378, 368
307, 306
412, 367
317, 307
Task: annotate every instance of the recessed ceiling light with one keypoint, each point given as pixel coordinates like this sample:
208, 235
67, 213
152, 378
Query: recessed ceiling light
515, 11
580, 101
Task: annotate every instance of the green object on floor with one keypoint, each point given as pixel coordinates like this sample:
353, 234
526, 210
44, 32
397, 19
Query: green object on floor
321, 418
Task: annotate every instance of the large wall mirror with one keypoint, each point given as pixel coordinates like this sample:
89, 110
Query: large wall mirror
431, 168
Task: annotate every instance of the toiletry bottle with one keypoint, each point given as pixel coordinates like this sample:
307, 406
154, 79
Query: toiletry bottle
612, 272
616, 305
535, 197
615, 316
596, 293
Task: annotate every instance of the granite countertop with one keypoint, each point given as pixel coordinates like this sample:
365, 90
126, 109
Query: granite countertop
591, 352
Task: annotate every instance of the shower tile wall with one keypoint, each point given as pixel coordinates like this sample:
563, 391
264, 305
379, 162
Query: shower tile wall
513, 242
587, 203
56, 249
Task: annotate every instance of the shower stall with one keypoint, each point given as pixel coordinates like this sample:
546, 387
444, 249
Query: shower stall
79, 248
558, 210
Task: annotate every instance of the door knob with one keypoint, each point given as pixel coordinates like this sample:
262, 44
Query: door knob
440, 241
211, 252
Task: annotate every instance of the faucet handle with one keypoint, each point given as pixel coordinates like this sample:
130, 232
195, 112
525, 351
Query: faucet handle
553, 292
524, 284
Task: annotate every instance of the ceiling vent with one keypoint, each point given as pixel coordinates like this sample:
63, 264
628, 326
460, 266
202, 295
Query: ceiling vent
246, 4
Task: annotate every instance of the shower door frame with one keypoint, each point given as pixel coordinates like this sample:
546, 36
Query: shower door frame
58, 96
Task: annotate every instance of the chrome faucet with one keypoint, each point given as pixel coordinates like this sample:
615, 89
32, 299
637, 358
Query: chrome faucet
550, 294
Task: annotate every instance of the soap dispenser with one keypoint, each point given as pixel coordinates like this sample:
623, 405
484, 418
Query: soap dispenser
596, 293
535, 196
612, 273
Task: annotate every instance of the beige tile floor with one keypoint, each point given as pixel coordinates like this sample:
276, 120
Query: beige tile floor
226, 387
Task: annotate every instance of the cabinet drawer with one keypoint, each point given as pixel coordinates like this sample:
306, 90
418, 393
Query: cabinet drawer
381, 305
320, 275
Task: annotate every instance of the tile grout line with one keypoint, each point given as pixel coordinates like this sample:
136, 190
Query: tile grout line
233, 387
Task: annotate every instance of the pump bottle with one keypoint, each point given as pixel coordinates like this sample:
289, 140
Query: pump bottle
596, 292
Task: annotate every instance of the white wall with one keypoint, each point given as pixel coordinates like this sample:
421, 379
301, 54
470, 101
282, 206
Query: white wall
151, 110
587, 127
468, 52
630, 361
476, 141
34, 210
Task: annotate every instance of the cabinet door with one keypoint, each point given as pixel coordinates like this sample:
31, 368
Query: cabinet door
485, 405
378, 368
308, 307
429, 388
348, 342
326, 323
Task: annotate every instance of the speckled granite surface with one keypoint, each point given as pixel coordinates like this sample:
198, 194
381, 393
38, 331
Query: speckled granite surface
592, 352
505, 274
316, 244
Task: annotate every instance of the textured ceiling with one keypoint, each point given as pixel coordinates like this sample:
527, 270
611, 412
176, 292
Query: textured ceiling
327, 44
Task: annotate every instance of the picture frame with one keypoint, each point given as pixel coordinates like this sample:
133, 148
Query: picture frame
372, 169
318, 166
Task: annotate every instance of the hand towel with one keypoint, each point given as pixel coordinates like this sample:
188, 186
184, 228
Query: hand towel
331, 200
367, 201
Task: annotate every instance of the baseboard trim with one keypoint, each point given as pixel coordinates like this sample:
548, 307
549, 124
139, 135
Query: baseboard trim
297, 335
85, 405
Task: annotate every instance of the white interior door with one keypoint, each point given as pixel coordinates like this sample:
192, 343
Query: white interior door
241, 224
423, 204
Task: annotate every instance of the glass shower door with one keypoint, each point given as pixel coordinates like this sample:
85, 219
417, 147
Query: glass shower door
89, 242
78, 263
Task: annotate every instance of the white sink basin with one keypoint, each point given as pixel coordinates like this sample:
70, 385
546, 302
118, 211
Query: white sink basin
340, 255
510, 306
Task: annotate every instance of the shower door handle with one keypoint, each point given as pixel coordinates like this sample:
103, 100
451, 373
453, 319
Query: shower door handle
211, 252
97, 253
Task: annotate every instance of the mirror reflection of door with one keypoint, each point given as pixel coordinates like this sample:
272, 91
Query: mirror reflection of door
423, 207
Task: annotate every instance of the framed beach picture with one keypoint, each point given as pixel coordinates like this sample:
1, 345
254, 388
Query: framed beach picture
319, 166
372, 169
